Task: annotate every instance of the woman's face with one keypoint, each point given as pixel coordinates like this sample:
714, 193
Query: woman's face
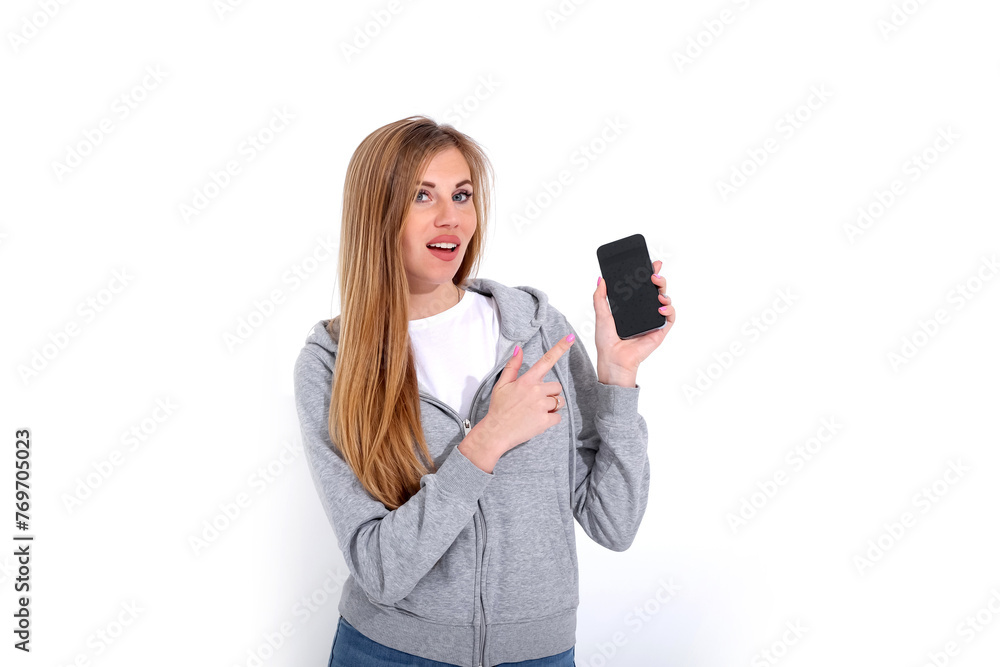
442, 212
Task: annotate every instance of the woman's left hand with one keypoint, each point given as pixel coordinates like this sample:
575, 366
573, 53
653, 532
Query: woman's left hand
618, 360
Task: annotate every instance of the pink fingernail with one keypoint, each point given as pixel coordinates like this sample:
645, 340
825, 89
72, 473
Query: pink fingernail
656, 275
598, 280
570, 338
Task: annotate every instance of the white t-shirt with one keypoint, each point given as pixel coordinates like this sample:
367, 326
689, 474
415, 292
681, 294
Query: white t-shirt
455, 349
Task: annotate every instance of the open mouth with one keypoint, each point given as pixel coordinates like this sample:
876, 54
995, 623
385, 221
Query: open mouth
440, 249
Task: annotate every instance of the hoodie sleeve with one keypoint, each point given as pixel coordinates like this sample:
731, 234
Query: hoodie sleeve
388, 552
611, 461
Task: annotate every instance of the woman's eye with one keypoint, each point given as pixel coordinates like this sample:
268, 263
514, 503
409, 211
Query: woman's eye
467, 194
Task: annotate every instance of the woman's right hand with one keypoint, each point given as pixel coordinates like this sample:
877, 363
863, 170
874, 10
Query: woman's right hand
522, 407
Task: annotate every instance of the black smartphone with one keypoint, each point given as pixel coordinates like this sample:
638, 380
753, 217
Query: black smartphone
626, 268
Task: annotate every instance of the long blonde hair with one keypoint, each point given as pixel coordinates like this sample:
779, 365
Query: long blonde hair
375, 403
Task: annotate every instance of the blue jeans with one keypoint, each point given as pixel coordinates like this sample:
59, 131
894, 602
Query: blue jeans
353, 649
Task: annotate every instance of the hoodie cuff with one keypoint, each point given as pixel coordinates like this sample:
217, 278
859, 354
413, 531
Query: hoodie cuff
459, 477
618, 403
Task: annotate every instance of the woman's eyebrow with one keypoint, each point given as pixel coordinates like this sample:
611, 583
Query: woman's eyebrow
431, 185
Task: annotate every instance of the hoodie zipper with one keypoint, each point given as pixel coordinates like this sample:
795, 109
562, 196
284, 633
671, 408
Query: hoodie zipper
466, 424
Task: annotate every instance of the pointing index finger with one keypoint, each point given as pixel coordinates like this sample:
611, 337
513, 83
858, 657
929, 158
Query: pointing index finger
549, 359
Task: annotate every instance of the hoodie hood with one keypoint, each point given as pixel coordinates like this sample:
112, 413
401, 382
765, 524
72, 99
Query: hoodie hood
522, 310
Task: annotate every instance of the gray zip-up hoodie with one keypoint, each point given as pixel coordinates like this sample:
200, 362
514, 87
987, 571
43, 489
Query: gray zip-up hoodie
477, 568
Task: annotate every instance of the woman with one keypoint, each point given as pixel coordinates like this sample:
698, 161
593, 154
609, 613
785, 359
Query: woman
450, 477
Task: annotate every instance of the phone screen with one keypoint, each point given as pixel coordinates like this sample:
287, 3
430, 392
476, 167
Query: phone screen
632, 296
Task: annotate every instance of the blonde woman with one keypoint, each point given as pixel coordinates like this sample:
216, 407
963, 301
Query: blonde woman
454, 428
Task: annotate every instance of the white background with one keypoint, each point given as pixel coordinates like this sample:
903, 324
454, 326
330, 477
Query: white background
857, 298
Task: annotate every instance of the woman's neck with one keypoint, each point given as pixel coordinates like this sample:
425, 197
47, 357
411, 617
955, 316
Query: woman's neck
437, 301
